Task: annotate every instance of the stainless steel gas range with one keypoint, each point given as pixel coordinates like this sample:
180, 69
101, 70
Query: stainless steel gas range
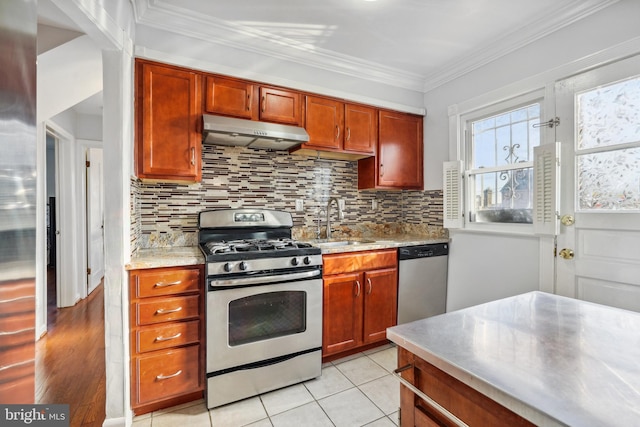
264, 303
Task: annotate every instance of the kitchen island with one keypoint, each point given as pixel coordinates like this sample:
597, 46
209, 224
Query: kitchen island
537, 358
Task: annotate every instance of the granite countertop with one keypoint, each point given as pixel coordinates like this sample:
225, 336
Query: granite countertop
165, 257
553, 360
190, 255
333, 246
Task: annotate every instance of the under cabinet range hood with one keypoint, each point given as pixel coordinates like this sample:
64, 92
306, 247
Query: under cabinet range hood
219, 130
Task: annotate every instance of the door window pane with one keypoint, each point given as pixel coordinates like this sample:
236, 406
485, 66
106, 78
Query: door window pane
609, 180
267, 315
609, 115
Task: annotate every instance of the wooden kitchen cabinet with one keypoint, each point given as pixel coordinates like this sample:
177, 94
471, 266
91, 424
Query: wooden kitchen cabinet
167, 337
467, 404
229, 97
360, 300
399, 160
339, 130
248, 100
168, 123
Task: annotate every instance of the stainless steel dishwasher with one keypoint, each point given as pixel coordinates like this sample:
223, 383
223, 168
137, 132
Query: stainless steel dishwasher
422, 281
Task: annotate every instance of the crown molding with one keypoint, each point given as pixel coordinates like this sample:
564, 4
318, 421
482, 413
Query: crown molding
160, 15
540, 27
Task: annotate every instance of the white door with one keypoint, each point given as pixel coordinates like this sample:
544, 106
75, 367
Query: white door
95, 221
598, 247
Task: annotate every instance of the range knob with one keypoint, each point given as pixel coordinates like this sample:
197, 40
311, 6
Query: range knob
228, 267
295, 261
306, 260
243, 266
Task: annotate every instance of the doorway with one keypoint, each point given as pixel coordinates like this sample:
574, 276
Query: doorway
598, 259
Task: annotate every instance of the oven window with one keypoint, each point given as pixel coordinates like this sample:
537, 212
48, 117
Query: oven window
267, 315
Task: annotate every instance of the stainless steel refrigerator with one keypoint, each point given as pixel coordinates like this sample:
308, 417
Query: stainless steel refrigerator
18, 28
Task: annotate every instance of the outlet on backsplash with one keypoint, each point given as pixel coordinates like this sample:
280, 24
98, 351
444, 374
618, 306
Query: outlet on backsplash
299, 205
374, 205
341, 204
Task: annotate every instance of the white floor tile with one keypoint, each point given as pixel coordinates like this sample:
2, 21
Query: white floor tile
384, 392
347, 358
286, 398
141, 422
309, 415
238, 414
350, 408
262, 423
192, 416
388, 358
382, 422
361, 370
395, 417
331, 381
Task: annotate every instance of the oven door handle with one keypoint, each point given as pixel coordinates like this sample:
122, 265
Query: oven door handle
265, 279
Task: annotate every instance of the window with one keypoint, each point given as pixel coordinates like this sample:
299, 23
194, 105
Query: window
499, 165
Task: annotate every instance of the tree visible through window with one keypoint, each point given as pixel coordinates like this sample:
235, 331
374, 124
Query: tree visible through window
500, 165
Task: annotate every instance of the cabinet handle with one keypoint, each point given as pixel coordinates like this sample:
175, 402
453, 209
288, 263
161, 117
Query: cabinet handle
165, 284
193, 156
348, 134
173, 337
381, 169
168, 310
264, 103
166, 377
337, 132
435, 405
248, 101
358, 288
370, 286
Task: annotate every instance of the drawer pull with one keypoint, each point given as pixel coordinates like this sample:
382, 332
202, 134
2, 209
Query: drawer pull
166, 377
165, 284
168, 310
435, 405
173, 337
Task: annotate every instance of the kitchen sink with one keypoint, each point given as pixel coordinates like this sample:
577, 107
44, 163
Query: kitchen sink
336, 243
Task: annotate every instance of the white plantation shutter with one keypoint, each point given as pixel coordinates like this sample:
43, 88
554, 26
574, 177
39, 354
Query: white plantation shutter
452, 179
546, 171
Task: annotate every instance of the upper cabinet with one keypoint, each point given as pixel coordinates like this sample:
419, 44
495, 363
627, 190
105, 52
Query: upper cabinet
399, 162
229, 97
246, 100
168, 123
338, 129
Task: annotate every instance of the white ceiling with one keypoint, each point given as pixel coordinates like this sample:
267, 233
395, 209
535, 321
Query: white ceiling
415, 44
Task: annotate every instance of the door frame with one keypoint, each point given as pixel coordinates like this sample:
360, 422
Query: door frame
82, 148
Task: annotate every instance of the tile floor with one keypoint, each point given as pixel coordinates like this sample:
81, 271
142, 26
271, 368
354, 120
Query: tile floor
358, 390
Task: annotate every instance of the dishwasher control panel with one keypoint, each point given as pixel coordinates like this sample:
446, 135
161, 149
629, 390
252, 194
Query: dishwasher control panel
423, 251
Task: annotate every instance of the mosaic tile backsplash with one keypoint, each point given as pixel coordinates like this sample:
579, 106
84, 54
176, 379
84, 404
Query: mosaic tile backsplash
166, 214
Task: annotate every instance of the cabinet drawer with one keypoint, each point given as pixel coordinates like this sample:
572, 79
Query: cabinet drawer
358, 261
168, 374
156, 282
152, 338
167, 309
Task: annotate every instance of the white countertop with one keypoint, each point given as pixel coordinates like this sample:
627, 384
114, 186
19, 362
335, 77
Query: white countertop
553, 360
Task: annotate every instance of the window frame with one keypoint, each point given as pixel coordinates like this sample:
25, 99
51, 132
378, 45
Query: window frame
465, 154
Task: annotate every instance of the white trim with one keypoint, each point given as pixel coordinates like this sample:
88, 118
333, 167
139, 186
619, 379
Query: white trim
41, 230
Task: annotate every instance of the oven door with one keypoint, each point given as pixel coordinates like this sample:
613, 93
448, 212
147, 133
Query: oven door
256, 323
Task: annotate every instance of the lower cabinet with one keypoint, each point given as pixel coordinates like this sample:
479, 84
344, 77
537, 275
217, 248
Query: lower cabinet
468, 405
360, 300
167, 337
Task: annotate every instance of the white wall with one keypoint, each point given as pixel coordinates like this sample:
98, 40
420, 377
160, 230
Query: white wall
483, 267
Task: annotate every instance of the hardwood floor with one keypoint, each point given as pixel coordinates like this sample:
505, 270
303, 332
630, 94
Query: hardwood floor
70, 365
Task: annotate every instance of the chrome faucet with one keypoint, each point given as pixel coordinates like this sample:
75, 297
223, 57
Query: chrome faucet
340, 214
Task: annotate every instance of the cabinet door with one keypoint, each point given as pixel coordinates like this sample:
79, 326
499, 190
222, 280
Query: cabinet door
400, 151
230, 97
324, 123
169, 115
380, 303
360, 129
280, 106
342, 313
